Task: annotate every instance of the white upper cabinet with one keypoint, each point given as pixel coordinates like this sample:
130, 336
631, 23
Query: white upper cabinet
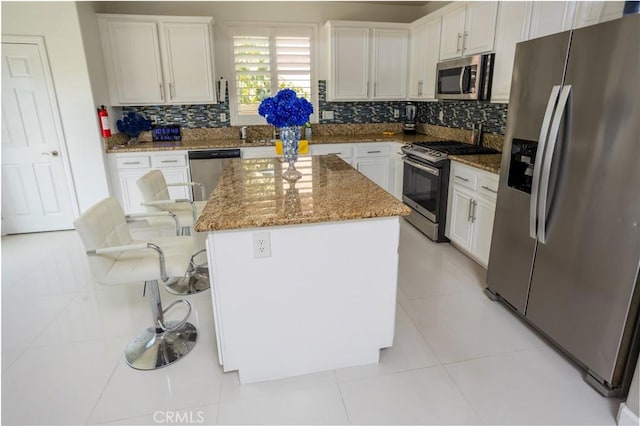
480, 27
550, 17
158, 59
188, 62
389, 63
349, 63
367, 61
468, 29
133, 62
594, 12
512, 27
425, 53
452, 33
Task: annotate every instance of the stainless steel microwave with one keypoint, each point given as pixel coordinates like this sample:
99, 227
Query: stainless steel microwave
465, 78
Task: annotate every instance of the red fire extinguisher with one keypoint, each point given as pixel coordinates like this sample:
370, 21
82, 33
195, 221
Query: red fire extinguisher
105, 126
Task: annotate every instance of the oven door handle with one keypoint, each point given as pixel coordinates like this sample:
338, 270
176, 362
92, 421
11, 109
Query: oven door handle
430, 170
462, 71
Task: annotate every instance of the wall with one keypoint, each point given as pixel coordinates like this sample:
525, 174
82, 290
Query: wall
95, 63
58, 23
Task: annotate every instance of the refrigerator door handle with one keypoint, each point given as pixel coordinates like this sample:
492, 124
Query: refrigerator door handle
548, 160
542, 141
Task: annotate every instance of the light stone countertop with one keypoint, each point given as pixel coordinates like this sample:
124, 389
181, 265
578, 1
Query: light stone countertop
488, 162
238, 143
252, 193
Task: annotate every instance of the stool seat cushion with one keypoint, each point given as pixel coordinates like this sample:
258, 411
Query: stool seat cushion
104, 225
144, 265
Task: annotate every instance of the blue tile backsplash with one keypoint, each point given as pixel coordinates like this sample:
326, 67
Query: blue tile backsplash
358, 112
458, 114
187, 116
463, 114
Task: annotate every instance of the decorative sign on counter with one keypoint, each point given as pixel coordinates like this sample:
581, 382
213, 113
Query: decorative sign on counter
166, 133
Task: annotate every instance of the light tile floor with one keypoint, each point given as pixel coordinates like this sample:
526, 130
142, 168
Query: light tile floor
458, 358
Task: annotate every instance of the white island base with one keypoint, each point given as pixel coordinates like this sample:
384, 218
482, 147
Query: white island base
325, 299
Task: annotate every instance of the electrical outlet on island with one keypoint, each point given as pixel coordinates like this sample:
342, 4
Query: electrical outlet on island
261, 245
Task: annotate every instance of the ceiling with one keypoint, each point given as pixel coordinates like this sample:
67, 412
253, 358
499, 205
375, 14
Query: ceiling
399, 3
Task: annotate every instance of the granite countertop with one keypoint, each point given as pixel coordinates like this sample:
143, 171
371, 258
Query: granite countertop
488, 162
252, 193
238, 143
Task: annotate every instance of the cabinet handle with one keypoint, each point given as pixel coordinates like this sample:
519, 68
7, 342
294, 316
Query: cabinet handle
420, 88
368, 84
374, 89
128, 163
474, 203
458, 43
161, 91
489, 189
461, 178
172, 92
469, 215
168, 161
464, 41
374, 152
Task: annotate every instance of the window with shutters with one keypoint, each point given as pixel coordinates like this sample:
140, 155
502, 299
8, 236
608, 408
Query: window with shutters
267, 59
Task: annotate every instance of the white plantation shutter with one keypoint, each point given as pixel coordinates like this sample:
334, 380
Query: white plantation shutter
252, 65
267, 59
293, 64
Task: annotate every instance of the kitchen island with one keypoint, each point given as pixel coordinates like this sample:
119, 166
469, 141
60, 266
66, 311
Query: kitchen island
303, 274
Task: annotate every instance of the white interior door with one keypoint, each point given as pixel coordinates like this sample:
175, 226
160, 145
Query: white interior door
36, 195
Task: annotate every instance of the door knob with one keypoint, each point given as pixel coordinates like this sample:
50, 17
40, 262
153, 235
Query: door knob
51, 154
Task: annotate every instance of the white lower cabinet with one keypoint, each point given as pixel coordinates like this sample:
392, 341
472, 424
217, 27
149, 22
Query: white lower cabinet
459, 220
127, 168
375, 161
379, 161
471, 209
398, 170
342, 150
376, 169
483, 213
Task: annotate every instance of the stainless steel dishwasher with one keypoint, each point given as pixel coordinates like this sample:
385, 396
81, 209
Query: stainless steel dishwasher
206, 167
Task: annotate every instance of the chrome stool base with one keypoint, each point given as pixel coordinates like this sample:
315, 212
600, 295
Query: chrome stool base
193, 282
154, 348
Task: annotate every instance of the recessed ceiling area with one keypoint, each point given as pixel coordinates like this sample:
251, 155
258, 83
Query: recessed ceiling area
399, 3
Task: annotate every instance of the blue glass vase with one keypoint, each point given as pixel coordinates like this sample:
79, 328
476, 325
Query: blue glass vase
290, 136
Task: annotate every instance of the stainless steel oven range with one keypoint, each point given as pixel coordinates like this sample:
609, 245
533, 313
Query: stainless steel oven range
426, 182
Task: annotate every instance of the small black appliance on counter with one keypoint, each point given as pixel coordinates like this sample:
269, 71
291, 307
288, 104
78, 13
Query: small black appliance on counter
409, 127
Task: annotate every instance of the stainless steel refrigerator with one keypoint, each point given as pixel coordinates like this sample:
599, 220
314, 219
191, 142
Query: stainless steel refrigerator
565, 250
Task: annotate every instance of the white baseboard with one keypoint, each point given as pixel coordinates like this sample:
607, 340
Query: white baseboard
626, 416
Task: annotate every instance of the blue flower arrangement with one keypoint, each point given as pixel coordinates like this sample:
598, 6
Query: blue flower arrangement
286, 109
133, 124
